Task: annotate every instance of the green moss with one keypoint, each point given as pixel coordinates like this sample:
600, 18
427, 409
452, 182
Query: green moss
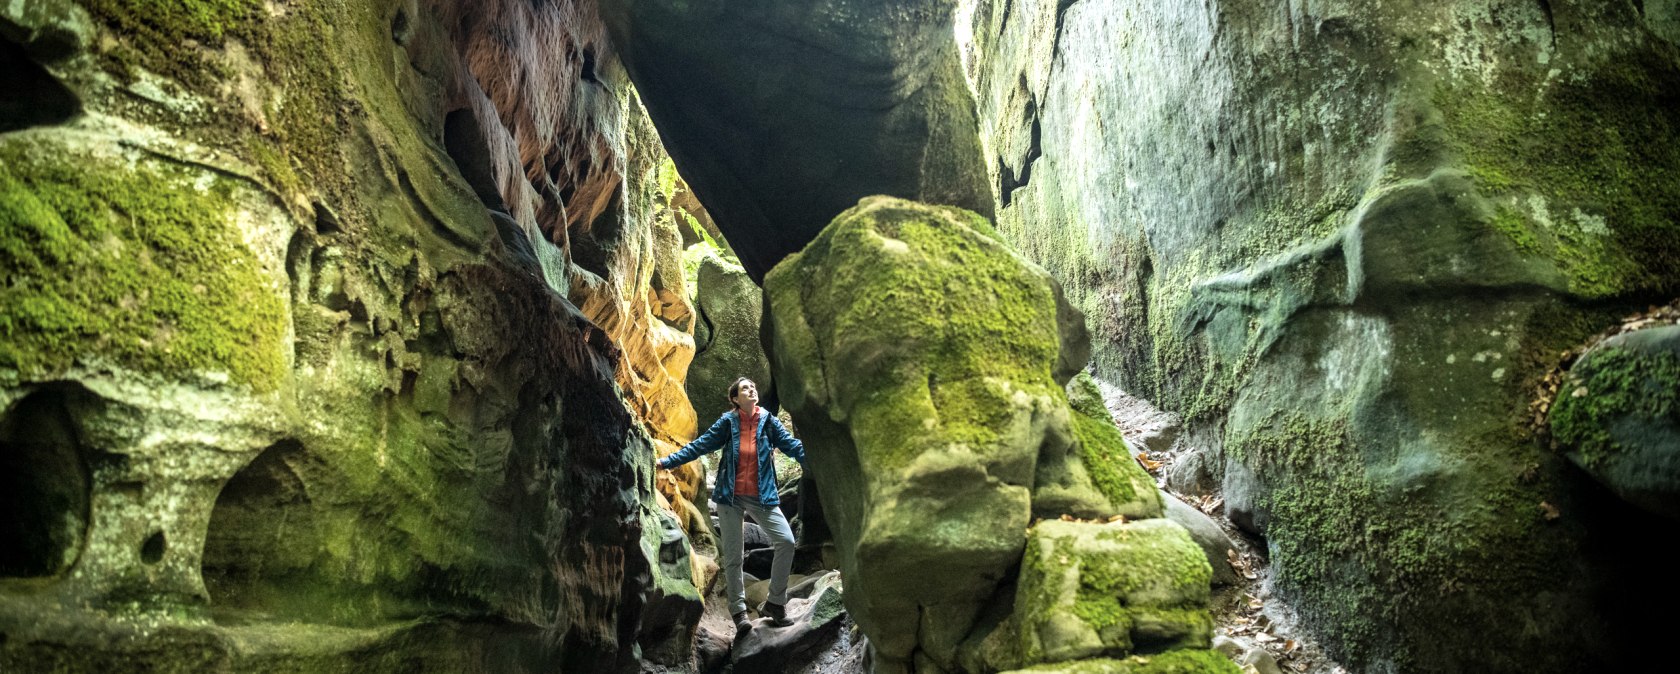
206, 20
1593, 162
1511, 223
1109, 462
1618, 383
955, 332
160, 35
1363, 558
1172, 662
138, 265
1126, 574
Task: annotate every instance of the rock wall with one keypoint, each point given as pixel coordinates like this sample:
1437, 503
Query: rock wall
1346, 239
295, 374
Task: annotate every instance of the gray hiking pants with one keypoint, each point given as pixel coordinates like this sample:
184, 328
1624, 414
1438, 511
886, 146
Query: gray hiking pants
781, 536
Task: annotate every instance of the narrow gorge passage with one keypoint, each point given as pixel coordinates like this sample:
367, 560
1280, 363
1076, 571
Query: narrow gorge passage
396, 335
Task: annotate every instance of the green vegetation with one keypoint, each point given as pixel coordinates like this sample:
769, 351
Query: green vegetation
954, 332
1125, 572
140, 265
1601, 195
1112, 469
1616, 383
1365, 556
1171, 662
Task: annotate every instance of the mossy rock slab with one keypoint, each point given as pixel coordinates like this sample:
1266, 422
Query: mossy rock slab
1618, 415
916, 353
1175, 662
1090, 590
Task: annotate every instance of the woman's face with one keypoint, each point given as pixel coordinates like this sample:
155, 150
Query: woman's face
747, 396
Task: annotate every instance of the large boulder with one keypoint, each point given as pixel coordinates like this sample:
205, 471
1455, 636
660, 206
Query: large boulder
915, 352
924, 362
1343, 240
1618, 415
784, 114
730, 307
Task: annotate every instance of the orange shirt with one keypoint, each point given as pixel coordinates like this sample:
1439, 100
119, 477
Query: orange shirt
746, 472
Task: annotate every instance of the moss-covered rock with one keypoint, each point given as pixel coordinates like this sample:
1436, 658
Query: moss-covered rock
1099, 477
915, 352
134, 261
1174, 662
289, 399
1618, 416
1090, 590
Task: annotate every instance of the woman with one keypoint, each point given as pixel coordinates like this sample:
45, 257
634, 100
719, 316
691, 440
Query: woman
746, 483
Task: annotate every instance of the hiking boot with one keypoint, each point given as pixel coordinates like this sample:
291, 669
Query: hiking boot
777, 613
742, 625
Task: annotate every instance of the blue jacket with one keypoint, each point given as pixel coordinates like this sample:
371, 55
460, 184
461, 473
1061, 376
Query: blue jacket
725, 434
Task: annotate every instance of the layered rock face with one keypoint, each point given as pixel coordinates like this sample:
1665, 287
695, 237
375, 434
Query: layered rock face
925, 363
1345, 239
784, 113
295, 375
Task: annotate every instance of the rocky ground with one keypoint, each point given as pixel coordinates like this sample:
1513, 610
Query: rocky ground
1255, 627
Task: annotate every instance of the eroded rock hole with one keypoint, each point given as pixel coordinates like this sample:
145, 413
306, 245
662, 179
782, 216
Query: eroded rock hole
589, 66
465, 142
33, 96
151, 552
44, 487
256, 527
326, 220
401, 27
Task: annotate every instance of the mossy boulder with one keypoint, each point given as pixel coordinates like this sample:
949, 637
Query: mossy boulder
916, 353
1618, 417
1090, 590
